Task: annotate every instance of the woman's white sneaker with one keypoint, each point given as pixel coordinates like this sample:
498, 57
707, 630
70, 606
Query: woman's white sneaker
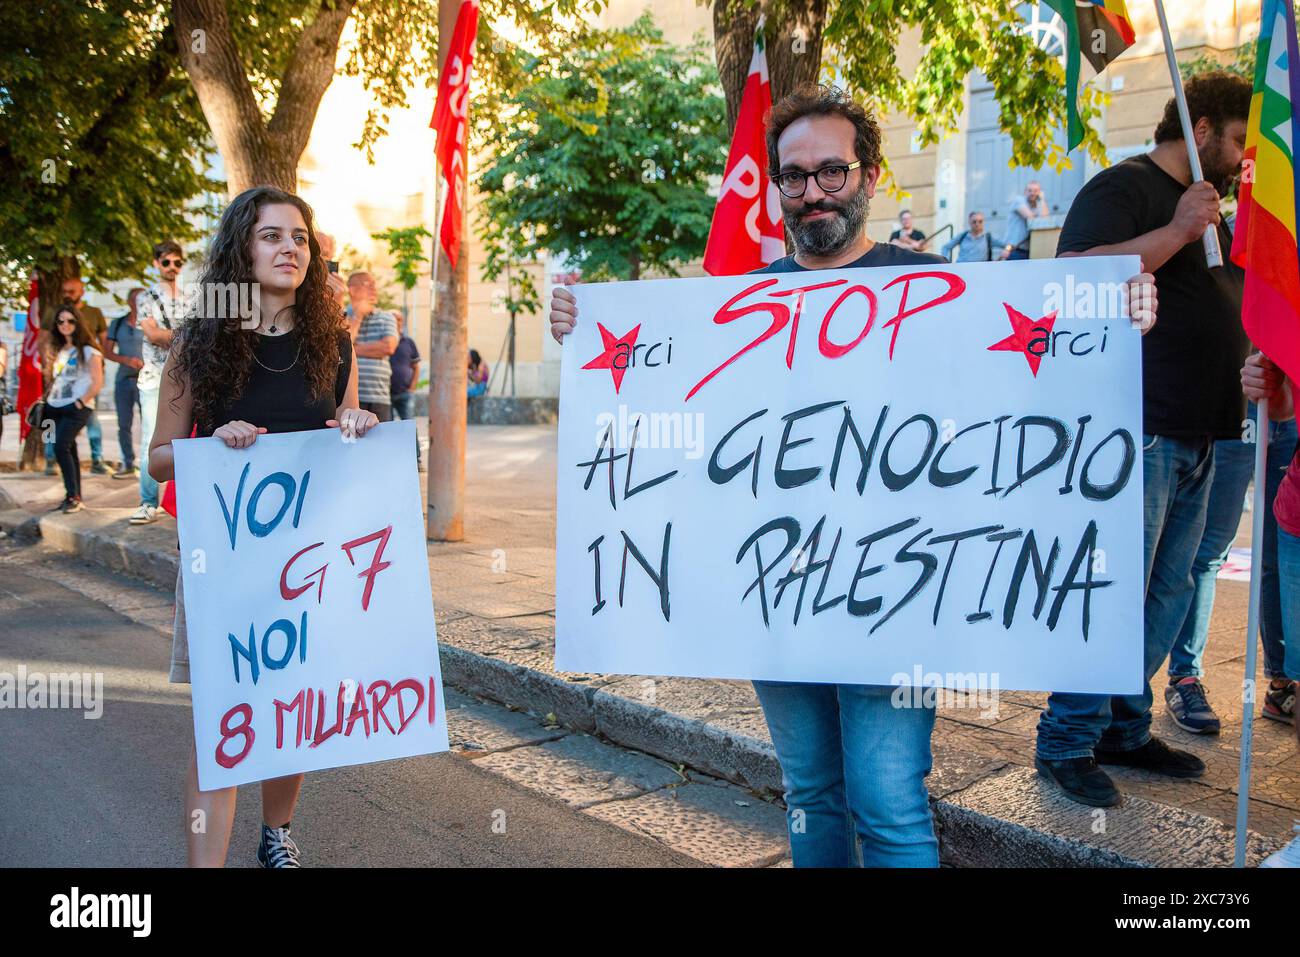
144, 514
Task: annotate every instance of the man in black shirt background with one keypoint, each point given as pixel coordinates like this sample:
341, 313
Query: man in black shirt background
906, 235
1149, 206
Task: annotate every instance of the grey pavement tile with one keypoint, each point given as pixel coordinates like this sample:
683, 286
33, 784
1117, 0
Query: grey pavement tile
497, 601
581, 771
990, 743
718, 824
1262, 816
1139, 829
476, 728
700, 698
954, 770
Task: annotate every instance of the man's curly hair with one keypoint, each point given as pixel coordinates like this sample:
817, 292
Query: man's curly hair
213, 352
1220, 97
814, 100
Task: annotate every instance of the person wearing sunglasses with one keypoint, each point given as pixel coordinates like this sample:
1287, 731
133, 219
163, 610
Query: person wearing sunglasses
77, 377
73, 290
161, 314
975, 245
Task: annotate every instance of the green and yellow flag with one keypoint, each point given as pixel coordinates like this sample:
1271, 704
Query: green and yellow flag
1101, 31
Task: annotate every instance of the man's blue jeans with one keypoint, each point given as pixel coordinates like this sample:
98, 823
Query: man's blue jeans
148, 416
126, 396
854, 766
1288, 556
404, 405
1176, 476
1234, 464
404, 408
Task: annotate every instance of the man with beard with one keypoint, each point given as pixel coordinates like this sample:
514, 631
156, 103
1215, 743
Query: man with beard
1149, 206
853, 764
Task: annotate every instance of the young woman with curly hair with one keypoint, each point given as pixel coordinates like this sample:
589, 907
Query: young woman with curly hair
292, 372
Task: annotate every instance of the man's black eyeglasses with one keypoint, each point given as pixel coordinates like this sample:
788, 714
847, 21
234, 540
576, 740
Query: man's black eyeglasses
831, 179
172, 262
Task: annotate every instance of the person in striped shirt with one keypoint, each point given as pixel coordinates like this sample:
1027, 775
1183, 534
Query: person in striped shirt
375, 338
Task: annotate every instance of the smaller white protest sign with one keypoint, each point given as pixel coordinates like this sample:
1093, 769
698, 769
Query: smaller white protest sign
310, 616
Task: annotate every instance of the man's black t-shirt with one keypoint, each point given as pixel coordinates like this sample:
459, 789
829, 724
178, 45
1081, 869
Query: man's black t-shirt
1192, 359
881, 254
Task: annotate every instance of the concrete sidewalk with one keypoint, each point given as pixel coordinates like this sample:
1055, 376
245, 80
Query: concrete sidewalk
494, 595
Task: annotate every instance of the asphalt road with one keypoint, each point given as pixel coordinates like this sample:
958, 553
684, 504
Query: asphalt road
107, 792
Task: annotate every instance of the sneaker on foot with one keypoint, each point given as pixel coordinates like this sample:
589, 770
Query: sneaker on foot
98, 467
126, 472
72, 505
1081, 780
1157, 757
1279, 703
1189, 707
144, 514
49, 467
277, 848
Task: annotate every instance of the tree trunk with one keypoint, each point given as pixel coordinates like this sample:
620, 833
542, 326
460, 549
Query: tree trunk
448, 356
794, 51
49, 283
256, 152
794, 46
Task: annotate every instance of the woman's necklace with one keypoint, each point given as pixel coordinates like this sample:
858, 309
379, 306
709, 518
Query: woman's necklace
296, 356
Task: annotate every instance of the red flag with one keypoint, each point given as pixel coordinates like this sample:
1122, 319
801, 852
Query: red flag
747, 231
31, 383
451, 121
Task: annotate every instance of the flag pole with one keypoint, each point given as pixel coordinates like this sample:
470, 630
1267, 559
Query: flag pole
434, 241
1248, 695
1213, 254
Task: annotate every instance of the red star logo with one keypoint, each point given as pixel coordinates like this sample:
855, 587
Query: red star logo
1023, 334
614, 347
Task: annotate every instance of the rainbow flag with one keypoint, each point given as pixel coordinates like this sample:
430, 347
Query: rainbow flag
1101, 31
1264, 240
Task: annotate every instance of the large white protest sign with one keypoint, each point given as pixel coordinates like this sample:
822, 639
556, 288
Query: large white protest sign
867, 476
306, 580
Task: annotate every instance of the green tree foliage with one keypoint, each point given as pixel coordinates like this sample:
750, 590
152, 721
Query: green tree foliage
406, 246
856, 44
1242, 63
101, 141
260, 67
604, 154
958, 37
